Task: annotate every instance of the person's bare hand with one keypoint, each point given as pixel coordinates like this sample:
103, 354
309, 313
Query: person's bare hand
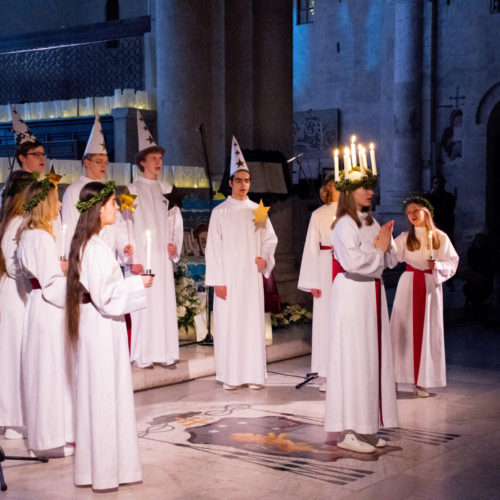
64, 265
221, 291
383, 239
316, 292
147, 280
172, 250
128, 250
431, 263
136, 269
261, 263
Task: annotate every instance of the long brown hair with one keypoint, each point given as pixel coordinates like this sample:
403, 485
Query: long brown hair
347, 206
12, 206
88, 224
42, 216
328, 193
412, 242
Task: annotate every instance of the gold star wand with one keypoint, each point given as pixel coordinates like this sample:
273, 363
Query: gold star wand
127, 203
53, 177
260, 221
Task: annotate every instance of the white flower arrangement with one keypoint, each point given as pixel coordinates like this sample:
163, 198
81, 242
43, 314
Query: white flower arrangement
186, 292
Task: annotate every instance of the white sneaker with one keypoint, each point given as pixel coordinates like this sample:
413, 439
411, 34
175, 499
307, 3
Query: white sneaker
351, 442
420, 392
381, 443
322, 387
255, 387
14, 433
62, 451
229, 387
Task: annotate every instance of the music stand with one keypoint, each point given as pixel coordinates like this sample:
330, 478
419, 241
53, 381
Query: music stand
3, 457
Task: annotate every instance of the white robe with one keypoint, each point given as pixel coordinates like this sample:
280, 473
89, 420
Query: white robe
316, 272
46, 363
239, 323
106, 451
352, 396
13, 297
155, 333
114, 235
432, 368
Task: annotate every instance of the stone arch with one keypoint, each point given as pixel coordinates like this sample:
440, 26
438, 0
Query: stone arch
487, 103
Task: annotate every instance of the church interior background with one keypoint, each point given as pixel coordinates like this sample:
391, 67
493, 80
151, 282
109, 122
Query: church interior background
291, 79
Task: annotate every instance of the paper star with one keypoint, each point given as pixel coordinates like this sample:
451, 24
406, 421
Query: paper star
150, 139
174, 198
260, 216
103, 145
240, 163
53, 177
127, 201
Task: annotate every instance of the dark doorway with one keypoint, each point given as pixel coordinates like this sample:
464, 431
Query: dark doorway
493, 171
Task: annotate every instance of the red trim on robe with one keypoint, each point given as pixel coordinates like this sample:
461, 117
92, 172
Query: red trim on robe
419, 291
128, 323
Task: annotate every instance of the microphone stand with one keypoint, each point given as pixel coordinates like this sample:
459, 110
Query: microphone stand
209, 339
301, 170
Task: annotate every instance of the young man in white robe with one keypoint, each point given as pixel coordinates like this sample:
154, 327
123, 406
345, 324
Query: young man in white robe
316, 275
237, 255
95, 161
155, 333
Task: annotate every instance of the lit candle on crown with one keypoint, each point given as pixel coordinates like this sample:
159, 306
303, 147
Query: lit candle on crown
372, 159
353, 150
336, 165
362, 166
347, 163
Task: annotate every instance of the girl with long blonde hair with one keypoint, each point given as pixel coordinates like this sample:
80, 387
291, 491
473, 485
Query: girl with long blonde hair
417, 327
46, 363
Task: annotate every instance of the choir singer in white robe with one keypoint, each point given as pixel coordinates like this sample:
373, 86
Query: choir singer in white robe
361, 395
98, 296
316, 274
417, 327
45, 361
237, 255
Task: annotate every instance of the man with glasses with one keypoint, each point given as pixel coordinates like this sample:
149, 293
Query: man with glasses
95, 161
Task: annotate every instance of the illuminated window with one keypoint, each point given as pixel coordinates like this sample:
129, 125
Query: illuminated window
305, 11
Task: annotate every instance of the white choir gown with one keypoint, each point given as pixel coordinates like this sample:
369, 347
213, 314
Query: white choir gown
13, 297
354, 372
316, 272
432, 366
106, 452
239, 322
46, 361
155, 333
115, 235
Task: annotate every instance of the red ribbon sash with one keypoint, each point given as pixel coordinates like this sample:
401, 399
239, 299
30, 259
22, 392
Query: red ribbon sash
418, 314
35, 284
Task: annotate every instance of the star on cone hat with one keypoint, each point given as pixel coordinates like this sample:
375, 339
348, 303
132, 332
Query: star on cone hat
96, 144
145, 138
19, 127
237, 160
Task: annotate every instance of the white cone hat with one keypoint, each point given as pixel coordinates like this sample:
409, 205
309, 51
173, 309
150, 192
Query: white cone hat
145, 139
19, 127
96, 144
237, 160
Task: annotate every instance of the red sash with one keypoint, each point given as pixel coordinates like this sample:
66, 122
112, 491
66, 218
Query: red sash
418, 314
35, 284
337, 268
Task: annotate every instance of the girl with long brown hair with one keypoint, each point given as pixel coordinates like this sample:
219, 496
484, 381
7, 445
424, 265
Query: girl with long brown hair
46, 367
316, 274
360, 396
97, 298
13, 299
417, 327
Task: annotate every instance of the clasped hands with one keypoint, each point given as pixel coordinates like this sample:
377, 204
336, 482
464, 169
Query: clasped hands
383, 239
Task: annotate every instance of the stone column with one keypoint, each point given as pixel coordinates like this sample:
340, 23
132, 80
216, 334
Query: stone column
183, 64
404, 175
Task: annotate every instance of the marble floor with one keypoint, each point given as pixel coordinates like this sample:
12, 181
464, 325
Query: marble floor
198, 441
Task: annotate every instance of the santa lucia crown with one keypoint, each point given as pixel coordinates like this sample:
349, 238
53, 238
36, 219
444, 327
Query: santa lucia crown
356, 173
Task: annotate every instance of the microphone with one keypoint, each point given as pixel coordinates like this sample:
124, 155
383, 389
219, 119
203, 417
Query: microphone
295, 157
